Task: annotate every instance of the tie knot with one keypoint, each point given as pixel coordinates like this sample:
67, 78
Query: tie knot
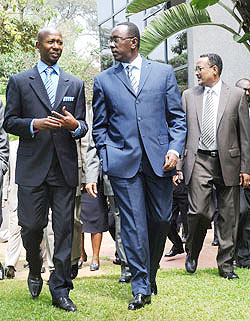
49, 70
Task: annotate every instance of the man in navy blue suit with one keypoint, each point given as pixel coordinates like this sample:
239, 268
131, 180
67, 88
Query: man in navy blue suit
46, 109
139, 130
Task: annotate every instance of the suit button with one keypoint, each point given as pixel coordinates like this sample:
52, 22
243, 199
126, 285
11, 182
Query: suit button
139, 118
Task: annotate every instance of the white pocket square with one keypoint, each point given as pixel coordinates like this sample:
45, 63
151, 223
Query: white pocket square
68, 98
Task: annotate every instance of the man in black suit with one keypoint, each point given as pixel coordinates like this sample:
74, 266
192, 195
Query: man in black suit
46, 109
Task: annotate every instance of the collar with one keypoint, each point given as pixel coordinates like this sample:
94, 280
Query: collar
137, 62
41, 66
216, 88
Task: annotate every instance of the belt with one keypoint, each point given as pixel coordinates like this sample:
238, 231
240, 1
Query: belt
212, 153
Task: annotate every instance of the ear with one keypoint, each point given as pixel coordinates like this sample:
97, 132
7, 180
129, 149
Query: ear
215, 70
134, 43
38, 45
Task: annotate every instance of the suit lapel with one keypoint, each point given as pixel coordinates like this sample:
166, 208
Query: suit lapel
62, 87
224, 95
37, 85
199, 105
121, 74
145, 71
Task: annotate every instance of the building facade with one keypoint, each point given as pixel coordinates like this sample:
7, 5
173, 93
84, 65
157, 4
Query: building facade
183, 49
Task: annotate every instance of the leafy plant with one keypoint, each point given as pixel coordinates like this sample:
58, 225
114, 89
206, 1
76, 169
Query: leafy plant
184, 16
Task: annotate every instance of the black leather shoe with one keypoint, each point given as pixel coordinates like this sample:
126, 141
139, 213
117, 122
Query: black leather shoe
154, 290
35, 285
174, 251
10, 272
125, 278
139, 301
74, 271
190, 264
229, 275
64, 302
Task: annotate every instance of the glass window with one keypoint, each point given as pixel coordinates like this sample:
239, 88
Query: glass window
106, 60
104, 9
159, 53
120, 17
177, 48
182, 78
119, 4
104, 33
138, 20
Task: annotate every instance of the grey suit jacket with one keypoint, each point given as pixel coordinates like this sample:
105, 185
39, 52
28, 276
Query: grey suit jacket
233, 132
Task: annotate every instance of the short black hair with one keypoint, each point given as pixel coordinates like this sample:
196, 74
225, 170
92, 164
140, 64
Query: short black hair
215, 60
133, 30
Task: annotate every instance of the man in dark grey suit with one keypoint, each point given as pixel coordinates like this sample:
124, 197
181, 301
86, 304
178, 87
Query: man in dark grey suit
4, 156
46, 109
216, 153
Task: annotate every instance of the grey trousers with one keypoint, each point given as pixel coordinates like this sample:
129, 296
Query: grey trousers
206, 173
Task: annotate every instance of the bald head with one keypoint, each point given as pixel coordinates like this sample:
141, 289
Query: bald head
45, 31
50, 45
243, 83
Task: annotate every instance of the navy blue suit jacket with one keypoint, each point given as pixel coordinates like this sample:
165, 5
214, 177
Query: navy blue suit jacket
124, 120
26, 99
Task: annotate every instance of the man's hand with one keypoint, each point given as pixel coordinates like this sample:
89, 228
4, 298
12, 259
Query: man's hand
177, 178
170, 162
46, 123
68, 121
91, 188
244, 179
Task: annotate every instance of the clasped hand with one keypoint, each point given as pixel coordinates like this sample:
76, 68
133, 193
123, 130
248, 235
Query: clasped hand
68, 121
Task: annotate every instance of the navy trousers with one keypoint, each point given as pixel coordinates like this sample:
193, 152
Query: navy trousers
145, 203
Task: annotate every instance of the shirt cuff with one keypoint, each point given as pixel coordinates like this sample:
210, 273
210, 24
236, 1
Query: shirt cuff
77, 131
32, 131
174, 152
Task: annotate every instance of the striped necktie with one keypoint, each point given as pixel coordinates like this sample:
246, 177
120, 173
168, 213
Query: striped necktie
50, 86
208, 121
132, 78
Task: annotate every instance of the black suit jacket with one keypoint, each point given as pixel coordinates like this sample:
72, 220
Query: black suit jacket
26, 99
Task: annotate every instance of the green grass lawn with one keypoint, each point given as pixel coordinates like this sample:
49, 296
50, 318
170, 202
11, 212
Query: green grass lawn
199, 297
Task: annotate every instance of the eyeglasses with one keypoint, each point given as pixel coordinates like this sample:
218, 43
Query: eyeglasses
117, 39
199, 69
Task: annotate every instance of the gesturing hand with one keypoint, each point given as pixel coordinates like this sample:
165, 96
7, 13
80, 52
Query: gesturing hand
68, 121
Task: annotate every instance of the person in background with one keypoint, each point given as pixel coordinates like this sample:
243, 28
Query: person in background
216, 153
4, 158
242, 256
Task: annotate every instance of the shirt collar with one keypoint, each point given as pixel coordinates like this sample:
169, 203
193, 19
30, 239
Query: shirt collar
137, 62
216, 88
41, 66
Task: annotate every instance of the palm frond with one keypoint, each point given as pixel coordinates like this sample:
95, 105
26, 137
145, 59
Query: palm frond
140, 5
169, 22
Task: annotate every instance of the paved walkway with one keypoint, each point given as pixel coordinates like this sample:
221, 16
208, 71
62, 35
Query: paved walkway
207, 257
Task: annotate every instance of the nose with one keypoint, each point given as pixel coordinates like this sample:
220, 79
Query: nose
112, 44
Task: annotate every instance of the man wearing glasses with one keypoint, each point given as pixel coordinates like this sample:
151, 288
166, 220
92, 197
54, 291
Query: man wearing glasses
139, 131
216, 153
